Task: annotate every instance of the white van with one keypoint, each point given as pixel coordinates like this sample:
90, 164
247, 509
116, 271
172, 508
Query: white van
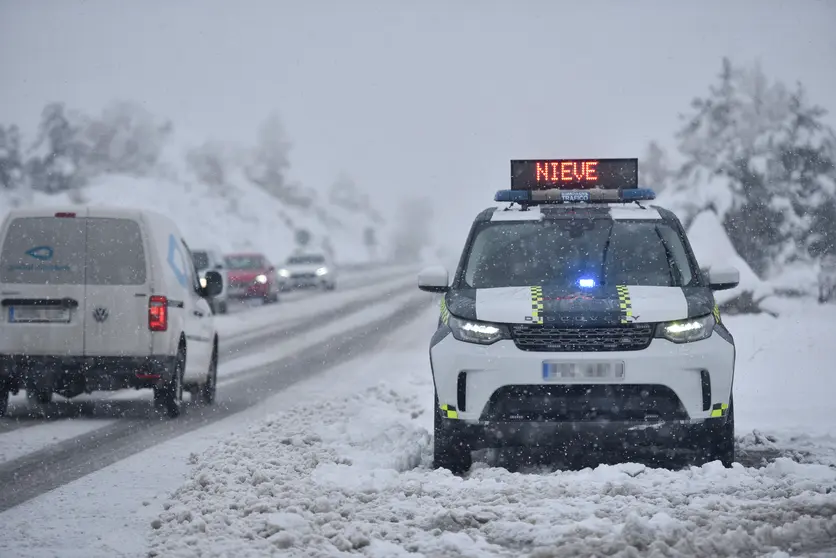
97, 298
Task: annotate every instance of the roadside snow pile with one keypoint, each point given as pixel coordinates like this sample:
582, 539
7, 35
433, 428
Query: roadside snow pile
350, 476
713, 249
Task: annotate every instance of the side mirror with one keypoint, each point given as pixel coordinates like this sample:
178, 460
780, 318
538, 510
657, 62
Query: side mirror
722, 279
219, 266
271, 269
214, 285
434, 280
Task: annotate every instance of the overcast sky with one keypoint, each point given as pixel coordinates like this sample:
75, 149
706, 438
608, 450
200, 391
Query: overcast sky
424, 96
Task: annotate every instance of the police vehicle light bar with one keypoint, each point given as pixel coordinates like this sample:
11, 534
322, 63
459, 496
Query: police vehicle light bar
574, 174
533, 197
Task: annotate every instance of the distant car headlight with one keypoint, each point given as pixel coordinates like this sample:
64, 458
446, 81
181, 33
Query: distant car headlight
322, 271
687, 331
261, 279
471, 331
284, 273
203, 282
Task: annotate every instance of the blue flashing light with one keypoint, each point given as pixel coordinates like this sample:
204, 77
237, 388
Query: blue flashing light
594, 195
586, 283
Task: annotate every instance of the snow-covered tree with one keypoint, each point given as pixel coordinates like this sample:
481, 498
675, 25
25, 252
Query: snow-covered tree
270, 162
59, 153
345, 193
414, 229
758, 155
11, 159
126, 138
654, 168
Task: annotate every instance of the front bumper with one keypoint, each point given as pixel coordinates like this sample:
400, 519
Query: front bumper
77, 374
667, 388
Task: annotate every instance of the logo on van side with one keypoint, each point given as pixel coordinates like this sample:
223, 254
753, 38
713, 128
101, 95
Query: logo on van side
176, 260
42, 253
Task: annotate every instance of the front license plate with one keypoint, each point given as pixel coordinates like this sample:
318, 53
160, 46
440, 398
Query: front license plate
612, 371
38, 314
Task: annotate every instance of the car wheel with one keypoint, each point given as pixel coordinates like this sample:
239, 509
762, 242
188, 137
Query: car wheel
4, 400
720, 440
210, 388
169, 397
450, 451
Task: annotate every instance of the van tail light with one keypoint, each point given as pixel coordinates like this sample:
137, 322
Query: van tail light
65, 214
158, 313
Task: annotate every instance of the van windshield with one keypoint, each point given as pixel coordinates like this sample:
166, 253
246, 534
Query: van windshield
51, 251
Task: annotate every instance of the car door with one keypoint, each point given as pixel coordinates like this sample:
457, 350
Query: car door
198, 325
42, 285
118, 287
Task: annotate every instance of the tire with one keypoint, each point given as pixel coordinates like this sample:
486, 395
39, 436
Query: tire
450, 451
206, 393
169, 397
4, 400
720, 442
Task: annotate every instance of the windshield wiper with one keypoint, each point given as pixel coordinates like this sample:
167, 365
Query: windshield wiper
604, 256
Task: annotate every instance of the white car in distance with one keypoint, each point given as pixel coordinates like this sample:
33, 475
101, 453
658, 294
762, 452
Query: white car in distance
308, 271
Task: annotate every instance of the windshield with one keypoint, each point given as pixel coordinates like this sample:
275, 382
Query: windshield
561, 252
303, 260
201, 260
244, 262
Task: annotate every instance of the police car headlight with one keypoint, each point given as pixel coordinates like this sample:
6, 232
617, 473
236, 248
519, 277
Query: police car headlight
471, 331
687, 331
261, 279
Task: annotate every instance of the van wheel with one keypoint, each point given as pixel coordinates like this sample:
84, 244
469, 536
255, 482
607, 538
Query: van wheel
169, 397
206, 392
4, 400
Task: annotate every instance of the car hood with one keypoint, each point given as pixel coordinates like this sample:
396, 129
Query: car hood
245, 275
588, 307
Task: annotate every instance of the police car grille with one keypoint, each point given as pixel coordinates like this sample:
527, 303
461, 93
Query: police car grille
628, 337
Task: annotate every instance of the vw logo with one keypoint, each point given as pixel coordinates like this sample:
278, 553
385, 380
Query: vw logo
100, 314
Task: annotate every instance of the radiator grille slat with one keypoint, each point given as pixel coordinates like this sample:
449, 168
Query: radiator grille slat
545, 338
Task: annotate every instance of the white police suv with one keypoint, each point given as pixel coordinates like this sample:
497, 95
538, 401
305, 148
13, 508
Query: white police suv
579, 317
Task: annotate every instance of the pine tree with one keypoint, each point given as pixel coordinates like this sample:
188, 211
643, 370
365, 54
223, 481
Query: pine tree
654, 169
60, 167
11, 160
759, 156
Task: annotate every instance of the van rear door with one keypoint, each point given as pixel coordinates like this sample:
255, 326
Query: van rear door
42, 285
118, 287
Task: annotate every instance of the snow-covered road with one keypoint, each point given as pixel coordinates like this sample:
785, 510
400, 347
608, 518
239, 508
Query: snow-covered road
338, 465
350, 474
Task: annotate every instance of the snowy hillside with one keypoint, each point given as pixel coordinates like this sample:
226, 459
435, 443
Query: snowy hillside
230, 215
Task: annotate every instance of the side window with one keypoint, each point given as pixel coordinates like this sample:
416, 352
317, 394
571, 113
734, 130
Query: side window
190, 269
680, 256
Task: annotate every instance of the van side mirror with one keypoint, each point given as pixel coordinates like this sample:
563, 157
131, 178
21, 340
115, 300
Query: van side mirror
722, 279
434, 279
214, 285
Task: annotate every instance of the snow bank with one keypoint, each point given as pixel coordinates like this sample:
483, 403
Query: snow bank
713, 249
350, 476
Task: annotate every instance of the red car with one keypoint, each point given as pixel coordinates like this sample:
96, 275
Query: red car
251, 275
